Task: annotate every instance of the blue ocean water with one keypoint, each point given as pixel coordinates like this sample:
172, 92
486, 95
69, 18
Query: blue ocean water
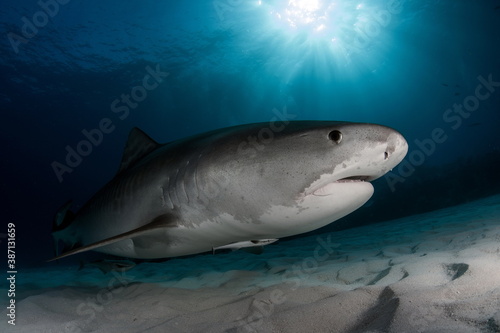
429, 69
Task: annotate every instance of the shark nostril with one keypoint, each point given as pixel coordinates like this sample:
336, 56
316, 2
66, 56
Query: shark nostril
386, 155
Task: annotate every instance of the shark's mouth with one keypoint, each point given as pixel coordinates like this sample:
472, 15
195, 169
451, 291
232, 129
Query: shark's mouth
353, 179
331, 187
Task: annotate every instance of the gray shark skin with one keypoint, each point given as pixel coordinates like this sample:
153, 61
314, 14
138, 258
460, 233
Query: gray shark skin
245, 183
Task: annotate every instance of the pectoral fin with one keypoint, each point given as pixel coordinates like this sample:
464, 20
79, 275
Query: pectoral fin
160, 222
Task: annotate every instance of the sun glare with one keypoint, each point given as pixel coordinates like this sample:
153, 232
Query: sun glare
302, 13
347, 28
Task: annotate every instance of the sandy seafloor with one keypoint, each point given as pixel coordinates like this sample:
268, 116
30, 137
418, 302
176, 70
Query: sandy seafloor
435, 272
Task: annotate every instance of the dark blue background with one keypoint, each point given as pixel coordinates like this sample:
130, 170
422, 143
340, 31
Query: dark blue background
231, 62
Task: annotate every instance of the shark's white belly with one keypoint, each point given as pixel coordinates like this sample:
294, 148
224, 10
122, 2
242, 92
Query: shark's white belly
311, 212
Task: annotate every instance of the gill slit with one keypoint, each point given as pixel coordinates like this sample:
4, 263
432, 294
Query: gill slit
167, 199
168, 194
174, 184
183, 181
195, 176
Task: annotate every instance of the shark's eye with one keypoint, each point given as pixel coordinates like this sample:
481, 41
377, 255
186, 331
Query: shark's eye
335, 136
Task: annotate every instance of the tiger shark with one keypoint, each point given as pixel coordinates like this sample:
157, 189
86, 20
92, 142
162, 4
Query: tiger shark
248, 184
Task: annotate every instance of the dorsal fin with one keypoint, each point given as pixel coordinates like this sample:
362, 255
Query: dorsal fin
139, 144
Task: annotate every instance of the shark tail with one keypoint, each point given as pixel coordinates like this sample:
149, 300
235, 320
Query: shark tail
62, 220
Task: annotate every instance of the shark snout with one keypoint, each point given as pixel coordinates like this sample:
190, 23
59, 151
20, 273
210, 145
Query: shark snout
384, 156
396, 149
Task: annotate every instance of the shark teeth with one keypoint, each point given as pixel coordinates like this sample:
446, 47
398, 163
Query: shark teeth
325, 187
353, 179
329, 188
